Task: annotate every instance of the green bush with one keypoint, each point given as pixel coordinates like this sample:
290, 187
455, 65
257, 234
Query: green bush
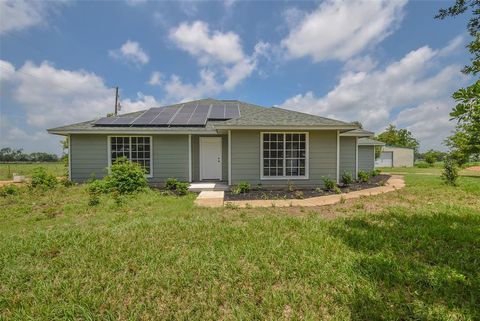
171, 183
328, 183
450, 171
347, 178
337, 190
422, 165
98, 187
363, 176
126, 177
242, 187
41, 178
9, 189
374, 173
180, 188
430, 158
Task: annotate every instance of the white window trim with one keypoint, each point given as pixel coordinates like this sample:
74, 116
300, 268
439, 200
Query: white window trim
109, 144
307, 157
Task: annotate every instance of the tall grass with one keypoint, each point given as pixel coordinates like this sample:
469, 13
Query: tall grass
411, 254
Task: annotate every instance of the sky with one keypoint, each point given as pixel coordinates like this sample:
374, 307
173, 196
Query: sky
377, 62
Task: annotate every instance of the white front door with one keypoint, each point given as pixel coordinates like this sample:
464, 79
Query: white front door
210, 158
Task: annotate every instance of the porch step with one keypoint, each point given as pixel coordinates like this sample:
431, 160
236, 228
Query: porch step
207, 186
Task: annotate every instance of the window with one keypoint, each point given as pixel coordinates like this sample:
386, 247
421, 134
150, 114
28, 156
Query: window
284, 155
136, 149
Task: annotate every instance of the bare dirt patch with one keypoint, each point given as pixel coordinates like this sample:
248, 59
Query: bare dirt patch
474, 168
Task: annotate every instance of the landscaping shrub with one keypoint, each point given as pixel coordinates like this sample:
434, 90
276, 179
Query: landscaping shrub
126, 177
242, 187
298, 194
374, 173
40, 178
180, 188
450, 171
347, 178
422, 165
171, 183
337, 190
363, 176
328, 183
9, 189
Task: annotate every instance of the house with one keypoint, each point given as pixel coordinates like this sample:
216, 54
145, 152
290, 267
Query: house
222, 140
393, 156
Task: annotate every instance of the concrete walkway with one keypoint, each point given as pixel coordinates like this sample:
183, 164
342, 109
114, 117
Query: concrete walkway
395, 182
210, 198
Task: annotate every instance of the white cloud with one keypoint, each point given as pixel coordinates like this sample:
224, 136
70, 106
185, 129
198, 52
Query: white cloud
155, 78
17, 15
224, 64
130, 52
340, 29
51, 97
413, 87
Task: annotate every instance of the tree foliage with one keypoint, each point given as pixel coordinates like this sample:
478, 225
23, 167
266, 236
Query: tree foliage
465, 142
398, 137
473, 27
8, 154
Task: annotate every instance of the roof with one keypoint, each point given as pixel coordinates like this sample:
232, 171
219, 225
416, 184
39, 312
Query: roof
358, 133
251, 117
369, 142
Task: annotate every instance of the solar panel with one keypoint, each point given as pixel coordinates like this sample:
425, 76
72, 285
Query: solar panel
232, 111
165, 116
199, 116
123, 121
183, 115
105, 121
147, 117
217, 112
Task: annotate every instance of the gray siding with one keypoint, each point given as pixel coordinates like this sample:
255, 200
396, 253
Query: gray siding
366, 160
89, 156
246, 158
170, 157
347, 155
196, 156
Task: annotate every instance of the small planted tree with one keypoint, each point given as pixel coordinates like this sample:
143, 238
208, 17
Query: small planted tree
126, 177
450, 171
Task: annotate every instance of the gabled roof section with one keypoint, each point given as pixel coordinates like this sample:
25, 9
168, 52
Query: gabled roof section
370, 142
251, 117
358, 133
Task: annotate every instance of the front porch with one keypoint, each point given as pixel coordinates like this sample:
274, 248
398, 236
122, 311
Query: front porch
208, 186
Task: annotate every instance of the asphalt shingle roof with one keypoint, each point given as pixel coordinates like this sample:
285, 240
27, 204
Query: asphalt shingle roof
369, 142
250, 116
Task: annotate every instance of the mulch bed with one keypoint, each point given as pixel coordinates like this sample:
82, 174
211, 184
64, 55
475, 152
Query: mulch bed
267, 194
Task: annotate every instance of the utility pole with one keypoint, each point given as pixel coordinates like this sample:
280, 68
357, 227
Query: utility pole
116, 100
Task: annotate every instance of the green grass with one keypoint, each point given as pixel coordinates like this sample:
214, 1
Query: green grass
436, 170
7, 169
412, 254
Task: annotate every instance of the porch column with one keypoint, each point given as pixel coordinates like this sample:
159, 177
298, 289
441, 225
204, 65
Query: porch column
229, 157
356, 157
338, 156
190, 158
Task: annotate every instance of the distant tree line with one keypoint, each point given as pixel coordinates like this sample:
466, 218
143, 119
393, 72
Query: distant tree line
8, 154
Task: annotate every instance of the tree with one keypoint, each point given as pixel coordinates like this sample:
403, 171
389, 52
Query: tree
465, 142
359, 124
398, 137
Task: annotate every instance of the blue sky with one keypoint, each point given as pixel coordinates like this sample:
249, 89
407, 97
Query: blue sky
372, 61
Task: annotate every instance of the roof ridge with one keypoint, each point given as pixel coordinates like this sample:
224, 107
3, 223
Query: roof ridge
299, 112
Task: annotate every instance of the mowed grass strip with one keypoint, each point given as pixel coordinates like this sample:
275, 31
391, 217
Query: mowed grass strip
410, 254
26, 169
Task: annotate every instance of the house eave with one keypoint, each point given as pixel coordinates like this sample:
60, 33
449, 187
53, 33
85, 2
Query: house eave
131, 132
299, 127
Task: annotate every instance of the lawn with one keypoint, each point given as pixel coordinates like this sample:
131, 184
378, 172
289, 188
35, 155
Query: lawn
412, 254
7, 169
435, 170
